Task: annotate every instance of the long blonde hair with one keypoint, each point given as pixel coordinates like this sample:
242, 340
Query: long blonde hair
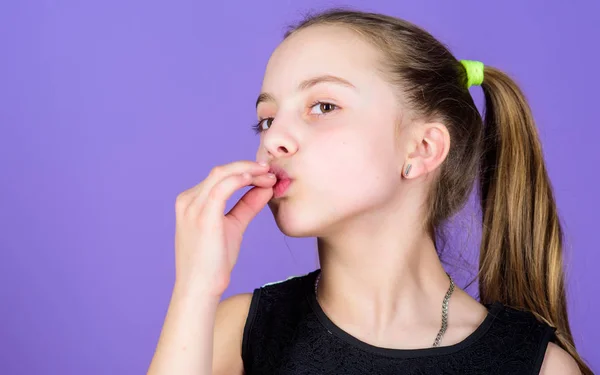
522, 239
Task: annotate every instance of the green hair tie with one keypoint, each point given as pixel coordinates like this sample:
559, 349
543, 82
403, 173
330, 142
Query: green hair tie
474, 72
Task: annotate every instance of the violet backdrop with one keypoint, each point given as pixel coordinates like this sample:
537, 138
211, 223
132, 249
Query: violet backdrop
109, 109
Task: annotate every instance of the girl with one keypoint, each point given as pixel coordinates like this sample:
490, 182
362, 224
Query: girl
370, 141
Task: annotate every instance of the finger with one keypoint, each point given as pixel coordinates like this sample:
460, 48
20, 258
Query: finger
220, 172
220, 193
263, 180
249, 206
202, 197
217, 174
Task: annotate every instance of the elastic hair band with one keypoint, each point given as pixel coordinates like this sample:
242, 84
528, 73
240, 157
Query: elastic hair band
474, 72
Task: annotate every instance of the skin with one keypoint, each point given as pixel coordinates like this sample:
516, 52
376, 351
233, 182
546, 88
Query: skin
382, 280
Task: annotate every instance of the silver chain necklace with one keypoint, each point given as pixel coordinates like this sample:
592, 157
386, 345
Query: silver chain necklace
440, 334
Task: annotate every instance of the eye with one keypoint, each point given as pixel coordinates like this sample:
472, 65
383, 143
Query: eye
324, 107
259, 127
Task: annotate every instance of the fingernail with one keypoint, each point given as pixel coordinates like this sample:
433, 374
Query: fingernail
263, 163
271, 175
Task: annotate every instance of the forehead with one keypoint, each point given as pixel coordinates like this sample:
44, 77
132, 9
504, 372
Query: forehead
320, 50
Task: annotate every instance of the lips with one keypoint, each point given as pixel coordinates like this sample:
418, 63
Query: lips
281, 187
283, 181
279, 172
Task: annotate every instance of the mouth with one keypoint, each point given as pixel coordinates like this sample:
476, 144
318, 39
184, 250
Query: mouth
283, 181
280, 187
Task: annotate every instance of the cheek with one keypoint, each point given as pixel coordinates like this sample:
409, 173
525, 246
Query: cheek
341, 176
353, 167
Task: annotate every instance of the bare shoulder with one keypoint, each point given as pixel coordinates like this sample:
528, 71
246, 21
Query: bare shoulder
230, 320
558, 361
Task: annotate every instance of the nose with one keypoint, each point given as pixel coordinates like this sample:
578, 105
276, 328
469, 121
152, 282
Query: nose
278, 143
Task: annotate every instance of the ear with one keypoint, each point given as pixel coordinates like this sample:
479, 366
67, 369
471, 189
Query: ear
428, 149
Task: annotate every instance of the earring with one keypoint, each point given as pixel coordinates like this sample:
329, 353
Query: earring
407, 169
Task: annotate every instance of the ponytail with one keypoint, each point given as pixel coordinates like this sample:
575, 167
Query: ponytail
521, 249
521, 254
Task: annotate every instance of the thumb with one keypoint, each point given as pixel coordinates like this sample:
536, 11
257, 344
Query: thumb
249, 206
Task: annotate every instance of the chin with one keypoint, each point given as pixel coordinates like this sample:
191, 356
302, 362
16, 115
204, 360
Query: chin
295, 222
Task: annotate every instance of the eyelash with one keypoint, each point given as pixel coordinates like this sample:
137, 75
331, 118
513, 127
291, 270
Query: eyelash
257, 127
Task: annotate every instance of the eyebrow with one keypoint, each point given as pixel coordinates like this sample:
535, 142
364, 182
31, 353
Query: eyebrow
306, 84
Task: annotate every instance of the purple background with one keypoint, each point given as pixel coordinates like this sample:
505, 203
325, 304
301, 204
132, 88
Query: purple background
109, 109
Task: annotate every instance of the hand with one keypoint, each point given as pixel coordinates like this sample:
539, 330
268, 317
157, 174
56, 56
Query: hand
207, 242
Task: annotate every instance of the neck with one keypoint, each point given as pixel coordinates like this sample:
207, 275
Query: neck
382, 277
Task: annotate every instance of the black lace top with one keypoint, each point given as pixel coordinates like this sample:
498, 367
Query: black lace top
288, 333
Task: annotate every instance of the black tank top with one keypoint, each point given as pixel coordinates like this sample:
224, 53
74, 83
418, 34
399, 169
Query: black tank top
287, 333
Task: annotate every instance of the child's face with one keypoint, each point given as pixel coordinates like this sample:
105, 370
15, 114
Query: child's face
345, 159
